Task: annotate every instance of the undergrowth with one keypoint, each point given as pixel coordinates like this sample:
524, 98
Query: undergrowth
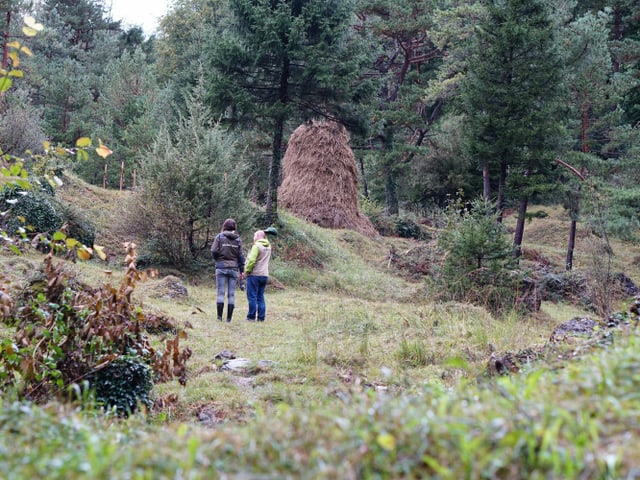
70, 337
506, 429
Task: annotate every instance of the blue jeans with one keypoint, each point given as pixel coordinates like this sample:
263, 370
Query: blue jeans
226, 279
255, 297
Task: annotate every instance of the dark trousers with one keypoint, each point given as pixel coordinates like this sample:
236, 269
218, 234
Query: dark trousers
255, 296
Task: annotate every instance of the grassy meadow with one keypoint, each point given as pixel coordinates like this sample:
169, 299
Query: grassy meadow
357, 373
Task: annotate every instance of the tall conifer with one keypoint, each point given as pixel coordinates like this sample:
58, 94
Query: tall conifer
511, 97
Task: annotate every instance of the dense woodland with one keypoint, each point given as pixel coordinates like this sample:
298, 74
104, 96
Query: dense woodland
512, 101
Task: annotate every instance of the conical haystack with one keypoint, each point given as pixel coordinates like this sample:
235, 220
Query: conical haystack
320, 178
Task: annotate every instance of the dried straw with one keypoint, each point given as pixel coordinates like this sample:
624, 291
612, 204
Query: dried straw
320, 178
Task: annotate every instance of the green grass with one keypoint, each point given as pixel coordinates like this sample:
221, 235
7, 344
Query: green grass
368, 379
577, 422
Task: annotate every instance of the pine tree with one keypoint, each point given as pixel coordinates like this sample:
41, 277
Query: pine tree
405, 61
511, 97
286, 60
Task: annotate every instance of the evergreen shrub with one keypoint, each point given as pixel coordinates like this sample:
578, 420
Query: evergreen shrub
29, 209
478, 264
123, 385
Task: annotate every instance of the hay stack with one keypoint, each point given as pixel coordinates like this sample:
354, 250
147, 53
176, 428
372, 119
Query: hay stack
320, 178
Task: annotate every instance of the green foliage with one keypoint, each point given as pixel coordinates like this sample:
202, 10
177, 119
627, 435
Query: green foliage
477, 264
37, 212
77, 224
401, 225
30, 210
413, 354
123, 384
565, 286
622, 215
407, 228
130, 108
190, 181
19, 125
275, 63
512, 96
542, 424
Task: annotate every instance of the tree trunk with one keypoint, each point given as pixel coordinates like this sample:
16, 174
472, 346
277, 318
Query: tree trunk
390, 187
365, 187
575, 204
486, 185
5, 42
274, 172
276, 146
519, 234
571, 245
502, 181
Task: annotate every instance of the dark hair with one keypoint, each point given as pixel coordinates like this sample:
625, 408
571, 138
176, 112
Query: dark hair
229, 225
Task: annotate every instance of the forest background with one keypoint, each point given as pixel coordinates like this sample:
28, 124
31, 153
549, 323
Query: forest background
443, 101
481, 108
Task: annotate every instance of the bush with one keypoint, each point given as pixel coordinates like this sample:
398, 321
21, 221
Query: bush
31, 210
564, 286
123, 385
478, 264
79, 226
391, 225
67, 332
189, 183
406, 228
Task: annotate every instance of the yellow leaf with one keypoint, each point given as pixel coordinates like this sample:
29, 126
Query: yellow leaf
100, 252
46, 145
29, 32
5, 84
14, 44
83, 254
50, 181
83, 142
15, 61
82, 155
29, 21
103, 151
387, 441
26, 50
72, 243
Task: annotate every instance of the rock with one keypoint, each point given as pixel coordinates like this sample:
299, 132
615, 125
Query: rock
224, 355
628, 287
246, 366
170, 287
576, 327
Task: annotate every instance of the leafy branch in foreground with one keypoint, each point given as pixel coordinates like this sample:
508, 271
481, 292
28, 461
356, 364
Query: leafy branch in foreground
70, 335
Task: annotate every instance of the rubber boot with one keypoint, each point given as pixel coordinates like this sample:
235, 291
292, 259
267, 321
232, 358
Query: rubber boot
220, 309
230, 312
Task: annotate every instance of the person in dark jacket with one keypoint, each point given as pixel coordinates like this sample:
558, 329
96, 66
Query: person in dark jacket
227, 252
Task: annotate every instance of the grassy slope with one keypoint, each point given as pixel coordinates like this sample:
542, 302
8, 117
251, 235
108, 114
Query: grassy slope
335, 336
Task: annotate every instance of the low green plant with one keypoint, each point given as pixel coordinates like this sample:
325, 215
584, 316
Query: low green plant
123, 384
29, 210
405, 227
478, 264
413, 354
